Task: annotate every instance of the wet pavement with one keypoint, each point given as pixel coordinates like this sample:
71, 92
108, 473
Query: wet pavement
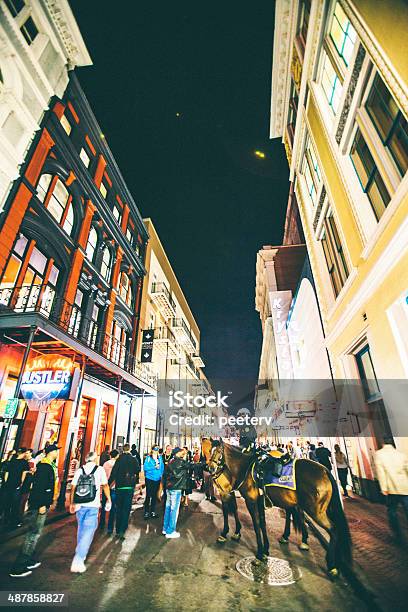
147, 572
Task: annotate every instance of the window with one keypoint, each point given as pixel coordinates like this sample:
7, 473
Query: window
125, 288
103, 189
85, 157
76, 315
57, 200
343, 34
29, 30
106, 263
93, 326
334, 255
31, 294
66, 124
117, 213
311, 171
118, 343
92, 243
369, 176
15, 6
331, 84
390, 123
303, 21
129, 235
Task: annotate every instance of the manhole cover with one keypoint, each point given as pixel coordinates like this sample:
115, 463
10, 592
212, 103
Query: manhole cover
274, 571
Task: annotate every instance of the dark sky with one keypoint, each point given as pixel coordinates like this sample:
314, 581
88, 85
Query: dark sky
214, 204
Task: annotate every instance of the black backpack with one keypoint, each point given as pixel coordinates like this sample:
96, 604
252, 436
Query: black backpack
85, 491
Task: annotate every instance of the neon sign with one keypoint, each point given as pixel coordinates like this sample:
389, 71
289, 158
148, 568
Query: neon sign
49, 377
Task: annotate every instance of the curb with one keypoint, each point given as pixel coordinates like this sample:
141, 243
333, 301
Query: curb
355, 578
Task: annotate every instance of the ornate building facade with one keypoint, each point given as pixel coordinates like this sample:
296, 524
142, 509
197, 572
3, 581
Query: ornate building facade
340, 106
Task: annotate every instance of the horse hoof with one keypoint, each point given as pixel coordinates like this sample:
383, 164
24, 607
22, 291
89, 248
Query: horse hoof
257, 561
304, 546
283, 540
333, 573
221, 539
265, 556
236, 537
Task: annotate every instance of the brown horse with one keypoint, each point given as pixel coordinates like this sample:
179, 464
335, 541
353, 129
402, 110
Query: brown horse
316, 494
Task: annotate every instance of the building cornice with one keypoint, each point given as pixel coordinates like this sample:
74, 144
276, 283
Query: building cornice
68, 32
285, 12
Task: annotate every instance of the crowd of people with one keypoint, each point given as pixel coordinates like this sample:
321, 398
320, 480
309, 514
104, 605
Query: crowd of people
106, 485
102, 486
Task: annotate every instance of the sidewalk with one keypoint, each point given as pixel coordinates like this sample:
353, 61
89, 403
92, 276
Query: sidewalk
380, 562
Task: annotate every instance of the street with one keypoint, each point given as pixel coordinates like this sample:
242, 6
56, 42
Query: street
148, 572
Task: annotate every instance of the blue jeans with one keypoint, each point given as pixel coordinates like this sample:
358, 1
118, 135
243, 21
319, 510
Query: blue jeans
87, 523
172, 509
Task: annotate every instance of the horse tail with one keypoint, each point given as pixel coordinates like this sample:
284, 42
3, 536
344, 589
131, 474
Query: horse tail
336, 514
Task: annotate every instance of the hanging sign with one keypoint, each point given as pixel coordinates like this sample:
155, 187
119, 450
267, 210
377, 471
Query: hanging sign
50, 377
147, 345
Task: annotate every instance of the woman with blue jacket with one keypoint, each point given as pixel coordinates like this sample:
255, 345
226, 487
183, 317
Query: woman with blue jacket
153, 468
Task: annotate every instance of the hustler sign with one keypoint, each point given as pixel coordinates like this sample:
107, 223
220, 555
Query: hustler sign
50, 377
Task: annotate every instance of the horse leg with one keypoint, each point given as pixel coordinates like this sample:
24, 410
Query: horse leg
237, 535
253, 509
262, 522
286, 532
324, 521
223, 537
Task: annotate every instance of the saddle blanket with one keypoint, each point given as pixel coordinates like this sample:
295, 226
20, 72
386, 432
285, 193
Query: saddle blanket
287, 478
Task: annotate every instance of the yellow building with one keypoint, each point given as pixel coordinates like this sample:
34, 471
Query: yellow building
340, 106
174, 354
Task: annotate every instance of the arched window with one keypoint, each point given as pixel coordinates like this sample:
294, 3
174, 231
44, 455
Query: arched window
92, 243
106, 263
57, 201
125, 288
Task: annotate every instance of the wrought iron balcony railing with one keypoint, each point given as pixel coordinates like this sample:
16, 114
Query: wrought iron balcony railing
183, 334
43, 300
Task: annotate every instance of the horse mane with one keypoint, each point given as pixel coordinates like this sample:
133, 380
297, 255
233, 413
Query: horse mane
237, 452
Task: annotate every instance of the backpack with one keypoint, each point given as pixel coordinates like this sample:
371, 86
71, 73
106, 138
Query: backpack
85, 491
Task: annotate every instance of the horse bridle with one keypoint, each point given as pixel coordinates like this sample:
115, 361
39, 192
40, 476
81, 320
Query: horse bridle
219, 465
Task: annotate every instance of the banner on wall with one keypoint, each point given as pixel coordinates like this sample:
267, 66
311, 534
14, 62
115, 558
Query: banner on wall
147, 345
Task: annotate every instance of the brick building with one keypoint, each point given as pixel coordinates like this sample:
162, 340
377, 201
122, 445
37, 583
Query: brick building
71, 268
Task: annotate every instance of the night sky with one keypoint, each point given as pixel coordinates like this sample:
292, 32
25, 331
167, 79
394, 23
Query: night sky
213, 202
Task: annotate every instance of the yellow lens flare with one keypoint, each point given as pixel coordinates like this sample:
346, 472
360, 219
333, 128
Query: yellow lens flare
260, 154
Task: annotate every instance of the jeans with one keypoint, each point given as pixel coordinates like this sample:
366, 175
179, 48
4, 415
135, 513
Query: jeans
152, 486
171, 512
123, 507
343, 473
87, 523
393, 501
35, 527
112, 513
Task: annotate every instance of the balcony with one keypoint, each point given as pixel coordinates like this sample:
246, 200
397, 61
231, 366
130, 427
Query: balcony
198, 362
161, 296
183, 335
55, 317
165, 343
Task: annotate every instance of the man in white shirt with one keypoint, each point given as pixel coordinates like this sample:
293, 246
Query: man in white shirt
86, 485
392, 473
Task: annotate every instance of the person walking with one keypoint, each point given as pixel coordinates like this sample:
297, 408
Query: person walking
176, 481
312, 452
43, 496
16, 471
108, 467
85, 502
153, 468
105, 456
124, 475
342, 468
323, 456
392, 473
